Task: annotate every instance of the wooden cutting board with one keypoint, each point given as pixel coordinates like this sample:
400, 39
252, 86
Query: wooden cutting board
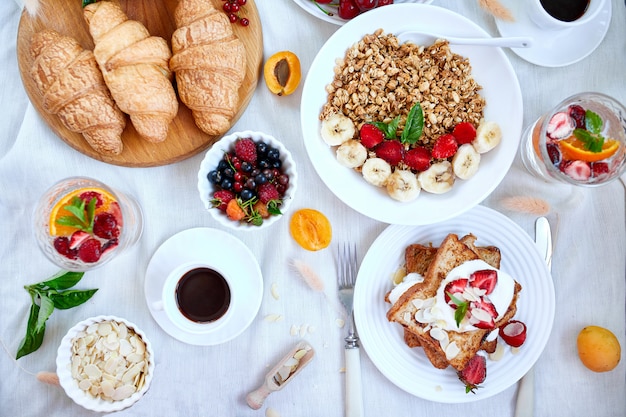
184, 138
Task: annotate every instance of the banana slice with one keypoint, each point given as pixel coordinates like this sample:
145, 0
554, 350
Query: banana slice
351, 154
488, 136
376, 171
337, 129
437, 179
466, 161
402, 185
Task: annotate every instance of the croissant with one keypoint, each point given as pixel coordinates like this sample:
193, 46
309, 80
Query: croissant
209, 62
72, 87
135, 68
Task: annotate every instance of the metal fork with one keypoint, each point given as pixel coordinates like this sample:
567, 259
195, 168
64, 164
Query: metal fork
346, 278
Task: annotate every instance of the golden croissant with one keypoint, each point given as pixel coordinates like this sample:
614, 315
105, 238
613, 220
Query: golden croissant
72, 87
135, 68
209, 62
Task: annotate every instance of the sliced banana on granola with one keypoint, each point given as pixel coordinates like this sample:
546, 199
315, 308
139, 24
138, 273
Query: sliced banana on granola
376, 171
466, 161
402, 185
488, 136
437, 179
351, 153
337, 128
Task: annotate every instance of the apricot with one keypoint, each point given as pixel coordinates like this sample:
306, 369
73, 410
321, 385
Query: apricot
282, 73
598, 348
310, 229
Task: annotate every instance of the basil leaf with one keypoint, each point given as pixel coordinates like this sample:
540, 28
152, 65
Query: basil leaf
71, 298
414, 125
593, 122
46, 307
389, 129
34, 338
62, 280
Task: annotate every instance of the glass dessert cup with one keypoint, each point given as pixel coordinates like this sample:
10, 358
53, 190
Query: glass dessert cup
581, 141
81, 223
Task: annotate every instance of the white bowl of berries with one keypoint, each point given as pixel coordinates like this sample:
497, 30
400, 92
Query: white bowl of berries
247, 180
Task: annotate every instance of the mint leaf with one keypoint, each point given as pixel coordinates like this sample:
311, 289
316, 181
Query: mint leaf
461, 309
592, 142
414, 125
593, 122
389, 129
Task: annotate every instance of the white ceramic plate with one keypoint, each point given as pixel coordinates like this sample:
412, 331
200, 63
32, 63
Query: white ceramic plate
409, 368
226, 253
491, 69
555, 48
69, 384
310, 7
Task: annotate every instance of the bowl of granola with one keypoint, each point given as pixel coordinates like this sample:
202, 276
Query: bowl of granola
105, 363
410, 134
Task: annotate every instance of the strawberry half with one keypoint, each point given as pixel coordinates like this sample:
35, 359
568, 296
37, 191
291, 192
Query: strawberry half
513, 333
484, 279
391, 151
454, 287
445, 147
560, 126
370, 135
464, 132
418, 158
576, 170
474, 373
483, 314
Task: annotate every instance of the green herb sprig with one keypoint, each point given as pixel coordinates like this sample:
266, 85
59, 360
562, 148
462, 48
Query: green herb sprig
591, 135
461, 309
45, 297
83, 214
413, 127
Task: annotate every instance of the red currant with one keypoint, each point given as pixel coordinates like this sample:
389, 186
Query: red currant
232, 17
244, 21
241, 2
227, 7
234, 7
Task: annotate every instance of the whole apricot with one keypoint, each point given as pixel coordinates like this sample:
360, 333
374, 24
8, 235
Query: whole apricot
310, 229
598, 348
282, 73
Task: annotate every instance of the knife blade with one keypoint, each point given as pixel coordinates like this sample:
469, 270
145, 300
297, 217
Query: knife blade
524, 407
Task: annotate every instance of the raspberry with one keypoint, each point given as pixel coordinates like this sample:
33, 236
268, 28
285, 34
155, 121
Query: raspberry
62, 246
109, 246
90, 251
221, 198
88, 195
105, 226
268, 192
418, 158
391, 151
464, 133
599, 169
577, 113
370, 135
234, 211
245, 149
445, 147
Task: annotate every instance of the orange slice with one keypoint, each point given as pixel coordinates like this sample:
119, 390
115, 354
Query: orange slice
105, 199
574, 149
310, 229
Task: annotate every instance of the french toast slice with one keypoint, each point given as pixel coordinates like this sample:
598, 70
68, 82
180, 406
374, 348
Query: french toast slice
451, 253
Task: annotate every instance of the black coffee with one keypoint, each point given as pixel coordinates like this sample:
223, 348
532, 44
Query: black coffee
565, 10
202, 295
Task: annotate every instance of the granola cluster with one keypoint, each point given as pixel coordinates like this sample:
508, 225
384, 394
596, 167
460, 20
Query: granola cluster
379, 79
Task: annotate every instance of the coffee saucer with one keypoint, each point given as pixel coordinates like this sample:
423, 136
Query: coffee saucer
554, 48
226, 253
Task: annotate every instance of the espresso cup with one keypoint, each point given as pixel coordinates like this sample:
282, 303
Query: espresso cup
196, 297
563, 14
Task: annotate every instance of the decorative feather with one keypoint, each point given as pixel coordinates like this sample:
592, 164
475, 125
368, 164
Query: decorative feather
32, 7
308, 275
531, 205
48, 377
496, 9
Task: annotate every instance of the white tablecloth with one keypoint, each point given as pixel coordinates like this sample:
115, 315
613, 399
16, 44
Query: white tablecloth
589, 262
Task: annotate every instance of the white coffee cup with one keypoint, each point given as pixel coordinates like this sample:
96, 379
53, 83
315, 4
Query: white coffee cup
538, 14
183, 312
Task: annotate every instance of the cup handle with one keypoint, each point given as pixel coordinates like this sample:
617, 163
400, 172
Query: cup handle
158, 305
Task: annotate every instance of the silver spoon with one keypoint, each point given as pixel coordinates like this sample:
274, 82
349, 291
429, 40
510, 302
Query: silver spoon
424, 38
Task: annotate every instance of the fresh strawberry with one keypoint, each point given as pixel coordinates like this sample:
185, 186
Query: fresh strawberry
418, 158
234, 210
370, 135
560, 126
474, 373
576, 170
267, 192
90, 250
445, 147
245, 149
599, 169
513, 333
454, 287
482, 314
484, 279
391, 151
77, 238
116, 211
464, 132
485, 304
221, 198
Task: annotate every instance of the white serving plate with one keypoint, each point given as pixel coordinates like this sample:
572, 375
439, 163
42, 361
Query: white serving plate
311, 8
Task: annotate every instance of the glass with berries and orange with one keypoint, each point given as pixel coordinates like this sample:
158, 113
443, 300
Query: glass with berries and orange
581, 141
81, 223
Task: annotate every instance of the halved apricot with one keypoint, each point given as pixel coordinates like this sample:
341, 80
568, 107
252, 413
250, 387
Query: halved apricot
310, 229
282, 73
